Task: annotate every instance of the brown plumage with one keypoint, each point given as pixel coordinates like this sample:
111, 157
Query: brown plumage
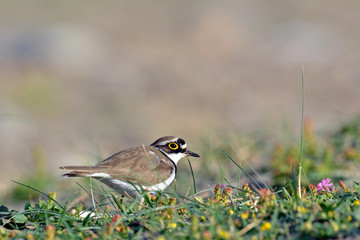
133, 164
147, 167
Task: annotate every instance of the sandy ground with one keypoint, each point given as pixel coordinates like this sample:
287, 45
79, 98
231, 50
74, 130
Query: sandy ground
84, 80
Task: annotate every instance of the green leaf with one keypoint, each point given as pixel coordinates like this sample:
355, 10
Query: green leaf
357, 214
20, 218
27, 206
3, 210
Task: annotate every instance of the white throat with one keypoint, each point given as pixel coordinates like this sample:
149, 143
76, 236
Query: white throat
175, 157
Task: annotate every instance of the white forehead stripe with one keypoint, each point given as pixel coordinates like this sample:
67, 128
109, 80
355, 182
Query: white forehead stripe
167, 141
183, 146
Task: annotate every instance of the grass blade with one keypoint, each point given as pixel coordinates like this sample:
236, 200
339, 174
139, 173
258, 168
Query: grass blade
118, 204
242, 169
38, 192
302, 130
193, 176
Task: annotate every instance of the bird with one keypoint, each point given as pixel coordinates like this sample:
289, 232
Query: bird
133, 170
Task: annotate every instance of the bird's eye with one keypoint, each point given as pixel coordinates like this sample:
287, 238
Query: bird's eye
173, 146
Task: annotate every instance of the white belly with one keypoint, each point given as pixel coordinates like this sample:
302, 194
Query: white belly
125, 188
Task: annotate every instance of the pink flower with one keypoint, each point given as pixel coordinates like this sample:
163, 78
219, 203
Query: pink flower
325, 185
223, 186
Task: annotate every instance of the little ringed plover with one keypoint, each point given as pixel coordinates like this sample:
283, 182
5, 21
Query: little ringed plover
146, 167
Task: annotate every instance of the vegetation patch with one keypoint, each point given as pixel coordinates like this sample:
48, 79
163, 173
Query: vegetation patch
318, 208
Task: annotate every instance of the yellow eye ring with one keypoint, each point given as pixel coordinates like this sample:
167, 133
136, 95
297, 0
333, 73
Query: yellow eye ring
173, 146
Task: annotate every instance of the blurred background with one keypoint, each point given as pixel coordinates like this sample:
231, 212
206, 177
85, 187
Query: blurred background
82, 80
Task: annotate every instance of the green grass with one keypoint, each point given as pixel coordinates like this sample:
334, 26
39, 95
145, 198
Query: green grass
231, 213
258, 210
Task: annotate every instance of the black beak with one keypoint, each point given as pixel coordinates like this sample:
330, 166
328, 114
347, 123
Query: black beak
192, 154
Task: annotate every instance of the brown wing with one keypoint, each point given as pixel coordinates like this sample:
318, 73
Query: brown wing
143, 166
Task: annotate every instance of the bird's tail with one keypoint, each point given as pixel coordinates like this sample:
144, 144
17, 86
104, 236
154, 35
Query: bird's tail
82, 171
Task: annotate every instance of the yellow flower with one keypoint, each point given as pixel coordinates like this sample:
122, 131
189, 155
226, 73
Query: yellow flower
203, 218
331, 214
308, 225
349, 218
323, 215
356, 202
301, 209
171, 225
335, 226
244, 215
231, 212
266, 226
224, 234
161, 238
